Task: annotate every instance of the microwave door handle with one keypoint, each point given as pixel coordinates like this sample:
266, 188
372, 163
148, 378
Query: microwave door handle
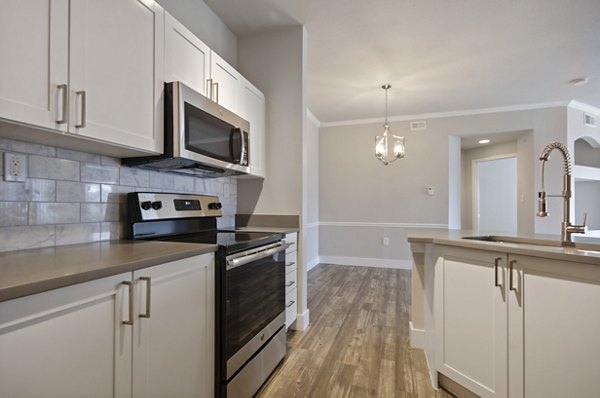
243, 154
232, 150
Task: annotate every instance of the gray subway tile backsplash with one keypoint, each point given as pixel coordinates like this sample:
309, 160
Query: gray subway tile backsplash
69, 234
32, 190
75, 197
74, 191
54, 213
13, 214
26, 237
53, 168
99, 173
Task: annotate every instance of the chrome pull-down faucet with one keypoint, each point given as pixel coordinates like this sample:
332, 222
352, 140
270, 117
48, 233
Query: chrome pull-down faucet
567, 229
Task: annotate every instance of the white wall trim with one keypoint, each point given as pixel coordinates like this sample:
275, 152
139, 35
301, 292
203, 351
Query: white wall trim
584, 107
417, 337
312, 263
311, 224
366, 262
302, 320
311, 116
437, 115
380, 224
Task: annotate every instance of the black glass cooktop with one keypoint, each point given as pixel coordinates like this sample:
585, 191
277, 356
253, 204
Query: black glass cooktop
230, 241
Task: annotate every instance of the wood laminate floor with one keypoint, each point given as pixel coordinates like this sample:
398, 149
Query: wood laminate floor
357, 344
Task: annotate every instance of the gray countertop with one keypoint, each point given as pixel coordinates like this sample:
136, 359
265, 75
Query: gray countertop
26, 272
546, 246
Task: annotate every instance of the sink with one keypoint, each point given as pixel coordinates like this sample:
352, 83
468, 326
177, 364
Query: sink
514, 239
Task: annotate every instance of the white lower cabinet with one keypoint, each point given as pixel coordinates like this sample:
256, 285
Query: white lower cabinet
517, 326
554, 332
78, 341
291, 279
471, 320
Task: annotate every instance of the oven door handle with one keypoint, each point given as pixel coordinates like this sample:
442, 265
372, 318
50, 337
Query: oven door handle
242, 260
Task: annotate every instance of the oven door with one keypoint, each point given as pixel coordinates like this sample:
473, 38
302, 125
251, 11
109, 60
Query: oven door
254, 303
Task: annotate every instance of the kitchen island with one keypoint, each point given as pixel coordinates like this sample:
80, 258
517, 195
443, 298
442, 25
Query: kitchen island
510, 317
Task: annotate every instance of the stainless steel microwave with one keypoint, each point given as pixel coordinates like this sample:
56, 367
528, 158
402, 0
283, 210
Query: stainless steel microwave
201, 137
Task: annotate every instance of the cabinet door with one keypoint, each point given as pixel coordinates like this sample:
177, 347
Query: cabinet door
34, 48
471, 320
116, 72
187, 58
253, 110
68, 342
227, 83
554, 328
173, 354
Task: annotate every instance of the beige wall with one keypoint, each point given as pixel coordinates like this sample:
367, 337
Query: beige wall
275, 62
358, 196
311, 191
205, 24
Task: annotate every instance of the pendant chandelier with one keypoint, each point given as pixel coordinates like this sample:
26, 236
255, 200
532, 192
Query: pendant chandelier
388, 147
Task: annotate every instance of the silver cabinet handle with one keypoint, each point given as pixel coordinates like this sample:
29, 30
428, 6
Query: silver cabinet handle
209, 85
61, 104
80, 101
496, 266
510, 276
129, 320
289, 284
148, 296
216, 86
290, 264
288, 305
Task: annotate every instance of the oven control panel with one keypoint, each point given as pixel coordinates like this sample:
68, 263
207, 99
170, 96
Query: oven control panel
158, 206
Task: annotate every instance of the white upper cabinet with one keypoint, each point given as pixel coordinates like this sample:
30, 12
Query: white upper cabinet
93, 68
253, 110
190, 61
34, 48
226, 84
187, 58
116, 81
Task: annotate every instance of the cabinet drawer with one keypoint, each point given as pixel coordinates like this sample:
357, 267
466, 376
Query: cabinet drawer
291, 262
293, 239
290, 307
291, 279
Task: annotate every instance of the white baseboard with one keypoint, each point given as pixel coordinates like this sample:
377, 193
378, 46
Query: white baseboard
366, 262
417, 337
302, 320
312, 263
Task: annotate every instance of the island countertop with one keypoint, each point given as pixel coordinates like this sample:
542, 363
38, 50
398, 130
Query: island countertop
26, 272
587, 250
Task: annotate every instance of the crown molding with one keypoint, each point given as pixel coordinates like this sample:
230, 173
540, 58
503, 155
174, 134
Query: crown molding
437, 115
584, 107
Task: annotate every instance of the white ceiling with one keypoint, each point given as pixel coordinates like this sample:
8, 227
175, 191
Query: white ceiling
438, 55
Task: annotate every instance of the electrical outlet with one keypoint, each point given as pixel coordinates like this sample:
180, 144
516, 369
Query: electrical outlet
386, 241
15, 167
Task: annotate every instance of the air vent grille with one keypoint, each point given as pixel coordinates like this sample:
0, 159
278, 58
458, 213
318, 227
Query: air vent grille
418, 125
589, 120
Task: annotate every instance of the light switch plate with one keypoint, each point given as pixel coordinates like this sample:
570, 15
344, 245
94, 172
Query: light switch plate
15, 167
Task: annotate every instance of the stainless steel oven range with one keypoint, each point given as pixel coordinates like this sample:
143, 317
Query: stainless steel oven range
250, 284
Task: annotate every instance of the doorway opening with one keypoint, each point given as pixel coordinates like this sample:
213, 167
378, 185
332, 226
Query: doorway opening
495, 194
